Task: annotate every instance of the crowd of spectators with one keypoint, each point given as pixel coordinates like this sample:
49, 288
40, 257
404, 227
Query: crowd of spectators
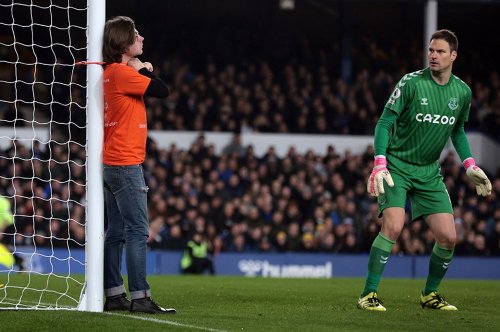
295, 97
300, 202
46, 186
294, 87
241, 202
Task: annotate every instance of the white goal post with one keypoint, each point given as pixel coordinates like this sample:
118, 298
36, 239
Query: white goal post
51, 132
94, 249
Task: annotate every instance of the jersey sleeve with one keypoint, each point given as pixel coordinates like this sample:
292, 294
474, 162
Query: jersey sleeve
458, 136
383, 130
460, 141
130, 81
401, 96
464, 113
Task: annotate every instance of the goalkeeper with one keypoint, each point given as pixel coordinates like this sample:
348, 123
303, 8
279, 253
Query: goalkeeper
126, 81
427, 108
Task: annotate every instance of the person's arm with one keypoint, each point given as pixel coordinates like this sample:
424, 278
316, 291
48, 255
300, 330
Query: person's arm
375, 185
460, 141
383, 130
476, 174
189, 250
156, 88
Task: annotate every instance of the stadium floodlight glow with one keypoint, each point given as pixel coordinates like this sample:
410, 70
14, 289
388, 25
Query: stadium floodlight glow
287, 4
51, 165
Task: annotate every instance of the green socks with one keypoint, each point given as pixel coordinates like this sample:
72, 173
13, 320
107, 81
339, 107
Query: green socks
438, 265
379, 255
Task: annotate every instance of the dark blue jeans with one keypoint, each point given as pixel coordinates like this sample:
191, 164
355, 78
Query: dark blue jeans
126, 202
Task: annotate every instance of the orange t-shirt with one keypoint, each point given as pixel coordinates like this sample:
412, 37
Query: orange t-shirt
125, 121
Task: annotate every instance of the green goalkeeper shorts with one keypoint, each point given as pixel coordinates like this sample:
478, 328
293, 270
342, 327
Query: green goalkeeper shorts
423, 185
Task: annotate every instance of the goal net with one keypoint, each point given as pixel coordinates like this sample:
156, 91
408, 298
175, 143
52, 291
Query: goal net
48, 162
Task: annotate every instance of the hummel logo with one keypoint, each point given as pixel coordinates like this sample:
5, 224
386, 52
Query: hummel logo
424, 102
383, 259
445, 265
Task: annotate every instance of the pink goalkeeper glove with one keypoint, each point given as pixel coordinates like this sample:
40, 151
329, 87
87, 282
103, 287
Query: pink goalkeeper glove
380, 173
483, 184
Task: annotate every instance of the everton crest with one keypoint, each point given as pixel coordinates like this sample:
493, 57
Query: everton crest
453, 103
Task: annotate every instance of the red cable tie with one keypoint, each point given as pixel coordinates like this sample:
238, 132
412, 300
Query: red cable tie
90, 63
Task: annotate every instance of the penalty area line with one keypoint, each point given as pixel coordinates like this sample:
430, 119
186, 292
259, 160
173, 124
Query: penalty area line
161, 321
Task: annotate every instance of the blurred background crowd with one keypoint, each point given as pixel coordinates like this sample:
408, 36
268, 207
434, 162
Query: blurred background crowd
238, 77
241, 202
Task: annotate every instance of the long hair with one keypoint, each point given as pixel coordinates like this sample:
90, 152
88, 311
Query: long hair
119, 33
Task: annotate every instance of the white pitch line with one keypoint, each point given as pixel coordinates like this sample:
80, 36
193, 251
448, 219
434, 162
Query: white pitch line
148, 319
161, 321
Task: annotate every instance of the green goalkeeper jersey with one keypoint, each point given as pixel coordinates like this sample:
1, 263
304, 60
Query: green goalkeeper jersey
427, 114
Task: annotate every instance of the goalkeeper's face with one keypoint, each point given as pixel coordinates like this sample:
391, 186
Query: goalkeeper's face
136, 48
440, 55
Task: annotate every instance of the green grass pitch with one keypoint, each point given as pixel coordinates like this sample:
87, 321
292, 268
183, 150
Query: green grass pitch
220, 303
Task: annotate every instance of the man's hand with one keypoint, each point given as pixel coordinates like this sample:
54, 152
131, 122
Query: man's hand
148, 66
375, 185
137, 64
476, 174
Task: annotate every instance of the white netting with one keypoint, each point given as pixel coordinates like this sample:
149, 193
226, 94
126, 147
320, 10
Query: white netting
42, 153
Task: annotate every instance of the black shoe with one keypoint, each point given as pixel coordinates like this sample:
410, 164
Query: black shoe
117, 302
148, 306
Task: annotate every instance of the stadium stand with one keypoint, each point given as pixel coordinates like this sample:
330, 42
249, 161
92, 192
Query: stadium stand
307, 202
244, 203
